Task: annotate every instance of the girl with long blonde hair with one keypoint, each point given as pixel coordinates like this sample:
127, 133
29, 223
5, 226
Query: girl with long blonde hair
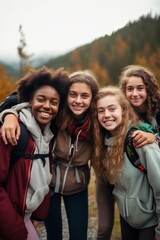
136, 193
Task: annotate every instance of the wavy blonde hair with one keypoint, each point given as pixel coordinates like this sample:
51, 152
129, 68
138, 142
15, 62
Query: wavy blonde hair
108, 162
152, 88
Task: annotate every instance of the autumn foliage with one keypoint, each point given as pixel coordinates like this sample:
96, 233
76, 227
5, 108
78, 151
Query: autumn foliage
136, 43
6, 85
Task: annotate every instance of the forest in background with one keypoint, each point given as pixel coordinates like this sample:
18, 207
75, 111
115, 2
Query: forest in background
136, 43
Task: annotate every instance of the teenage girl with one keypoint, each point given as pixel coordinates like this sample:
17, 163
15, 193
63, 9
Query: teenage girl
137, 194
71, 171
73, 150
24, 187
142, 91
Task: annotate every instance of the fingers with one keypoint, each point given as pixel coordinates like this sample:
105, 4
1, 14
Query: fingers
18, 132
141, 138
10, 129
8, 136
141, 144
3, 135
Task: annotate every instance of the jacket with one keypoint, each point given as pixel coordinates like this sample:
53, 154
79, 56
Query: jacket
138, 194
23, 194
70, 170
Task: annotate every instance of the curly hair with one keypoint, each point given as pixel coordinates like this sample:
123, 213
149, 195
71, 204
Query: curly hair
152, 88
108, 162
34, 79
86, 76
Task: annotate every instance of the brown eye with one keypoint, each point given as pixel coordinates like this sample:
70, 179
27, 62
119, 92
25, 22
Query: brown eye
72, 94
40, 99
129, 89
85, 95
55, 102
100, 110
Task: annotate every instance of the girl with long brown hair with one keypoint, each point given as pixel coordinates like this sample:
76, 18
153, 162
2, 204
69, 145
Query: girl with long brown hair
136, 193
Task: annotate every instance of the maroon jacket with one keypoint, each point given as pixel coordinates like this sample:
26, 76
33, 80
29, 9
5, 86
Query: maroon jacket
13, 192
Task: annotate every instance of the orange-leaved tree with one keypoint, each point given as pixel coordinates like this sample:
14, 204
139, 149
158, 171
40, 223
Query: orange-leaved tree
7, 86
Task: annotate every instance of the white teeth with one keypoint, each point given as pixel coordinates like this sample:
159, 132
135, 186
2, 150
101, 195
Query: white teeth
45, 114
108, 121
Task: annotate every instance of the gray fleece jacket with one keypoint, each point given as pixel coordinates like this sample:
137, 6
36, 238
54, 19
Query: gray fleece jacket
40, 175
137, 193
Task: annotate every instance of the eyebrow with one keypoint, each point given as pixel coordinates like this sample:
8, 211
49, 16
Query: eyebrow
136, 85
40, 95
112, 105
81, 93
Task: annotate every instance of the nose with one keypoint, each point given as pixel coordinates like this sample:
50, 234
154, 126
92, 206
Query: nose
78, 99
106, 113
46, 104
134, 92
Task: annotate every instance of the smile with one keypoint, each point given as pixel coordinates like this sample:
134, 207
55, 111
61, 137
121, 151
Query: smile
77, 107
108, 122
45, 114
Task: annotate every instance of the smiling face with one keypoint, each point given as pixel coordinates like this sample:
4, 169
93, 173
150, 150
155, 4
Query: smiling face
109, 113
79, 98
136, 92
45, 105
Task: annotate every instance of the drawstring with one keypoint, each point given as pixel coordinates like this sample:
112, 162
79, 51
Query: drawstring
76, 142
72, 145
58, 175
71, 149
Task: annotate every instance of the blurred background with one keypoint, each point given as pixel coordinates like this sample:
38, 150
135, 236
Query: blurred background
103, 36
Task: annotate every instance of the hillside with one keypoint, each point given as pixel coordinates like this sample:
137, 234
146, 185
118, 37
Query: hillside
136, 43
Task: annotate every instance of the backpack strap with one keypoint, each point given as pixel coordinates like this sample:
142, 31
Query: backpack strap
19, 149
42, 156
131, 151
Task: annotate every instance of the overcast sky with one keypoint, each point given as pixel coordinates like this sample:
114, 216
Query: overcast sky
58, 26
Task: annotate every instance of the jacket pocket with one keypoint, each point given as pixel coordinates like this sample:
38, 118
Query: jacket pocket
135, 211
139, 212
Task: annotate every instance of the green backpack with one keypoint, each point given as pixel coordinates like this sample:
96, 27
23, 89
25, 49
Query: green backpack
130, 149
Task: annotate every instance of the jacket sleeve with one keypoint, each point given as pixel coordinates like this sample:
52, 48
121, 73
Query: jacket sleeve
12, 226
14, 110
152, 164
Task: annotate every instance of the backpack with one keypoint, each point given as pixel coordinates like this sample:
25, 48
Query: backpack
19, 149
9, 102
130, 149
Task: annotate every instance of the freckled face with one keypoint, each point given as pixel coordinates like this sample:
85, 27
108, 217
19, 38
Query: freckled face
136, 92
109, 113
45, 104
79, 98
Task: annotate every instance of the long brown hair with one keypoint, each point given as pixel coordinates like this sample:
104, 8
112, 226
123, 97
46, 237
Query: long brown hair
86, 76
152, 88
107, 162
